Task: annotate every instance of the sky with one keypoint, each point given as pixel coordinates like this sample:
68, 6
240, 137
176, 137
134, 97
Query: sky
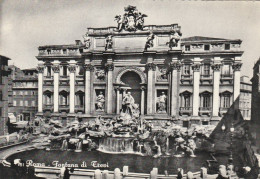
27, 24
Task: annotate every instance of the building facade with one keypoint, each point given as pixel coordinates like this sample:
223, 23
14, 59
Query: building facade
23, 94
255, 102
245, 97
3, 94
191, 80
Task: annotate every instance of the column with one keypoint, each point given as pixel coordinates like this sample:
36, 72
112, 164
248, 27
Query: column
109, 104
88, 69
56, 70
72, 69
142, 99
236, 68
40, 88
151, 67
216, 80
175, 69
117, 100
196, 86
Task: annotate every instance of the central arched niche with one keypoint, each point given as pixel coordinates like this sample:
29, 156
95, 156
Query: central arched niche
132, 80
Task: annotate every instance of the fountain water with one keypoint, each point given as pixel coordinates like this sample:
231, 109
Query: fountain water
116, 145
159, 150
79, 147
64, 145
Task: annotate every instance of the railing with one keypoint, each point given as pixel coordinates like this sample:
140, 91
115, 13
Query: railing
12, 139
205, 108
224, 109
59, 52
54, 172
79, 107
226, 76
186, 76
48, 77
206, 76
48, 106
185, 110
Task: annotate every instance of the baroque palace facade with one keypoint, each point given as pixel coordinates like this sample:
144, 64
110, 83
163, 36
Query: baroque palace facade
191, 80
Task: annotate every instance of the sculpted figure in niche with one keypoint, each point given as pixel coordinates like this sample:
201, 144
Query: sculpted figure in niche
161, 101
87, 41
149, 42
174, 39
128, 103
109, 42
100, 101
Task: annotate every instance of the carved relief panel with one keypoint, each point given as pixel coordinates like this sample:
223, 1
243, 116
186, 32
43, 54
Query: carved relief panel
162, 73
100, 74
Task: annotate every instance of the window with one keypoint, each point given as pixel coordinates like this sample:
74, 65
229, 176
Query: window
205, 100
21, 103
65, 70
25, 92
227, 46
186, 69
226, 69
206, 69
186, 101
81, 70
33, 103
187, 47
1, 112
48, 70
1, 96
14, 102
14, 93
226, 101
21, 93
206, 47
26, 103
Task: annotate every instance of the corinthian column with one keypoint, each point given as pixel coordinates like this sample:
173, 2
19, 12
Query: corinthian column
142, 99
72, 69
175, 69
109, 104
56, 70
236, 68
196, 86
151, 67
216, 79
40, 87
88, 69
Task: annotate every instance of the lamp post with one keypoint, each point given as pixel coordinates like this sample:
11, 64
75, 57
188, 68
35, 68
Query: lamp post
231, 143
223, 128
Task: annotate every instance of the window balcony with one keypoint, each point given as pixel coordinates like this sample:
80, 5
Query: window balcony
223, 111
206, 78
205, 111
186, 78
79, 108
64, 107
185, 111
226, 78
48, 107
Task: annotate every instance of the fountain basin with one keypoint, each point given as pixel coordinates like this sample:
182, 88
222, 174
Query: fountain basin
136, 163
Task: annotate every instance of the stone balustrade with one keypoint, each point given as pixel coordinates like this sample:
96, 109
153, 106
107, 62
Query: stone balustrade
54, 172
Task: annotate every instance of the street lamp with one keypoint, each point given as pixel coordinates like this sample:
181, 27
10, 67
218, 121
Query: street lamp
223, 127
231, 142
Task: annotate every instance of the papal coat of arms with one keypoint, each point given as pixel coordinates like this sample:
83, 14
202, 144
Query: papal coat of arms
132, 20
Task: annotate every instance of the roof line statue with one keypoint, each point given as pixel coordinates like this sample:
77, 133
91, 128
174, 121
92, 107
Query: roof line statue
132, 20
